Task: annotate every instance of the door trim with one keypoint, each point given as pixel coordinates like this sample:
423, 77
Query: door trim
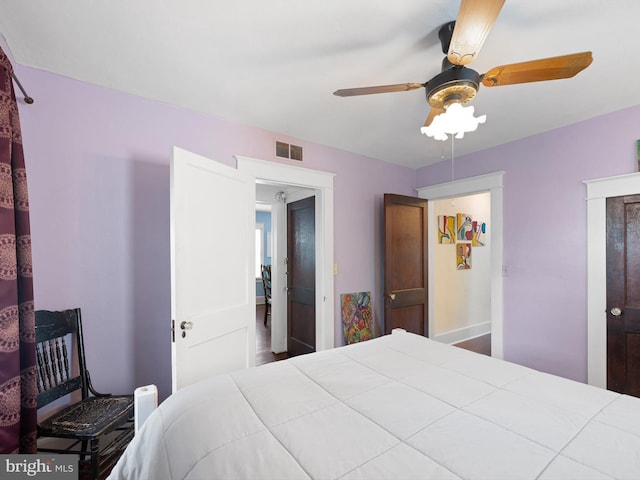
322, 184
598, 190
492, 183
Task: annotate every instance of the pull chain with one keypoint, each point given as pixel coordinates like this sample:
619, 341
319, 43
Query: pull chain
452, 159
453, 200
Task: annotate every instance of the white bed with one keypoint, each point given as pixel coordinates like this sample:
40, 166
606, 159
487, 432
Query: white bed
397, 407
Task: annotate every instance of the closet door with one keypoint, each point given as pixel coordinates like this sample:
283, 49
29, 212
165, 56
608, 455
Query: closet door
623, 294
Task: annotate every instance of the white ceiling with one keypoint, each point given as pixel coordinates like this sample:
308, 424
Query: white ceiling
274, 64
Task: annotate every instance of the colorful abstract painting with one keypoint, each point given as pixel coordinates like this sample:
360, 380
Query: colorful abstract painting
463, 256
356, 316
479, 230
446, 229
464, 227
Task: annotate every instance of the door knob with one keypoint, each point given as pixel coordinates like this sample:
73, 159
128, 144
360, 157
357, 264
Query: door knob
616, 312
186, 325
390, 296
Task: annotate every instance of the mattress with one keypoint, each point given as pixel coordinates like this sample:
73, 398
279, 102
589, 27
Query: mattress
397, 407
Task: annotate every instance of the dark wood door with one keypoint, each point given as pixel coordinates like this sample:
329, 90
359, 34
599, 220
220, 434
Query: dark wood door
623, 294
301, 276
405, 264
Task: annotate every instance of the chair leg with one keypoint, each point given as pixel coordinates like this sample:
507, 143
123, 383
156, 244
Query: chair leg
266, 312
95, 459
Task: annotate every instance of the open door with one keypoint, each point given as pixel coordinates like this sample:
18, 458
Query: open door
301, 276
212, 269
405, 264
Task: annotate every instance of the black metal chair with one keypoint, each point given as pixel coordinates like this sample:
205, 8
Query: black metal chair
62, 370
266, 283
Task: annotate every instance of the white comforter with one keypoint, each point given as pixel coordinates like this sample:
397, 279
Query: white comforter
397, 407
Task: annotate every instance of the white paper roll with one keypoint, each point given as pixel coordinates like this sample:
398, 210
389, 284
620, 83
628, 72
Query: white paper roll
145, 401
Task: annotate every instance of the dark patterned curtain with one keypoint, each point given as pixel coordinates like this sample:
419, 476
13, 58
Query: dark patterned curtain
18, 409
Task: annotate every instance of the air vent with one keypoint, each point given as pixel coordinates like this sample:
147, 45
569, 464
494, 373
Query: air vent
284, 150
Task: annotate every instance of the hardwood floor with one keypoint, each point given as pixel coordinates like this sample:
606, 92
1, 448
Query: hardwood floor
263, 340
480, 344
264, 355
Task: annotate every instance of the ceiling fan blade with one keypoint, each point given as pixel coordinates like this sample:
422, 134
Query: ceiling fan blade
399, 87
433, 114
474, 21
565, 66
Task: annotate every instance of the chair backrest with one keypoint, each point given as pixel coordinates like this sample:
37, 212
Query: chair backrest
266, 281
56, 375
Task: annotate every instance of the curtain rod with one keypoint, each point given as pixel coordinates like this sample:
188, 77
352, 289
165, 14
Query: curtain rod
27, 98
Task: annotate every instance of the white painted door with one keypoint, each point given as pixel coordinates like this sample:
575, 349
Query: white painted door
212, 268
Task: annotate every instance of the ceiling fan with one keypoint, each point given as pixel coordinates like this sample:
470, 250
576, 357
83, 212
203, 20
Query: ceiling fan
461, 41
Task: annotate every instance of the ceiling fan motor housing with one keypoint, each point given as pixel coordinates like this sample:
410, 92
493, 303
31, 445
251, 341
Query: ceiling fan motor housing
457, 84
444, 34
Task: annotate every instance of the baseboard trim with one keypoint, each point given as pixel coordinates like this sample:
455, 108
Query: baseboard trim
259, 300
464, 334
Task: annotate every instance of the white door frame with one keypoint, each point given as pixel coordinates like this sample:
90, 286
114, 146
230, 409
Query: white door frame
492, 183
322, 184
598, 190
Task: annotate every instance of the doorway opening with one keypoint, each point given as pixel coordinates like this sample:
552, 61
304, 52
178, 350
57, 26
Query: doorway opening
301, 180
271, 203
461, 290
491, 184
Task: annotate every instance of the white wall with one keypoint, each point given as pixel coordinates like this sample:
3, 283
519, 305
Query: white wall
462, 298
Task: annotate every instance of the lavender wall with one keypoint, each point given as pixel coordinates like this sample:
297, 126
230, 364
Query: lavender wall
98, 172
545, 306
98, 168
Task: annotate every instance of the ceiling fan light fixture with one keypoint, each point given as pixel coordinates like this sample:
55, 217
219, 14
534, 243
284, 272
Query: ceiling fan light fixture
456, 120
458, 82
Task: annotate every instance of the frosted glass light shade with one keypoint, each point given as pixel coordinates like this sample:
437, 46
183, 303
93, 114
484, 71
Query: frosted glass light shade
456, 120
